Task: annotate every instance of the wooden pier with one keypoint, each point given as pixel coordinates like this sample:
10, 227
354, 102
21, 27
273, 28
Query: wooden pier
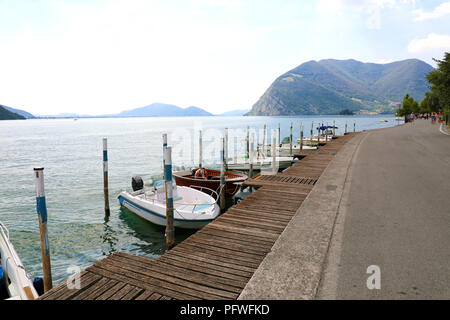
217, 261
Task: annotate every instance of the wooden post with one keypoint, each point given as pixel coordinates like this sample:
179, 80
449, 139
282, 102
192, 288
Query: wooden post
301, 136
354, 126
279, 134
170, 233
318, 136
105, 176
41, 209
248, 141
290, 140
164, 136
274, 151
226, 149
334, 127
200, 149
345, 128
222, 177
251, 155
326, 131
312, 131
264, 141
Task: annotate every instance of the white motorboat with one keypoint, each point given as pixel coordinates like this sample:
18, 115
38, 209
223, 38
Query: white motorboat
193, 209
15, 281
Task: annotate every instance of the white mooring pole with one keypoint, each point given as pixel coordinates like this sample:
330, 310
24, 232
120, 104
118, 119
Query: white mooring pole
41, 209
170, 233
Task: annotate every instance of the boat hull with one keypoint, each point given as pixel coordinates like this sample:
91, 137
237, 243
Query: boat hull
157, 214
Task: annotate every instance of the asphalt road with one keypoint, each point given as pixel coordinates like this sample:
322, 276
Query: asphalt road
395, 214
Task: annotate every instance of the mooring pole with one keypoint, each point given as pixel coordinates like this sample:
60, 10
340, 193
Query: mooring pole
248, 141
318, 136
301, 136
41, 209
251, 155
170, 233
279, 134
264, 141
200, 149
222, 177
345, 128
274, 150
105, 176
334, 127
226, 149
326, 131
164, 136
312, 128
290, 140
354, 126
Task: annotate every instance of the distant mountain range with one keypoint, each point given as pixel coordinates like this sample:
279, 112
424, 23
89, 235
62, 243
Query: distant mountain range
330, 86
163, 110
155, 110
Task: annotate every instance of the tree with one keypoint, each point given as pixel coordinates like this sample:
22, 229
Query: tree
409, 105
440, 81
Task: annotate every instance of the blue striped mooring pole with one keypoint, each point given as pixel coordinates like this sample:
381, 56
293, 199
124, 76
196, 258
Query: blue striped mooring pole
170, 232
41, 209
301, 136
105, 176
164, 136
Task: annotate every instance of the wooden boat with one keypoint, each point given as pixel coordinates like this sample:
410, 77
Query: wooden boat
210, 179
15, 282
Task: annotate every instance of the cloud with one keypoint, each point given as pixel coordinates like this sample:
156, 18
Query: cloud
431, 43
370, 8
440, 11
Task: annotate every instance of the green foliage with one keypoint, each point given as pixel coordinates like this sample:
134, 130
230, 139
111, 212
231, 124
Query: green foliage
346, 112
409, 105
439, 97
329, 86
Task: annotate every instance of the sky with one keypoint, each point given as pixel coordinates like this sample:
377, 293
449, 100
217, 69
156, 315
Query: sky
102, 57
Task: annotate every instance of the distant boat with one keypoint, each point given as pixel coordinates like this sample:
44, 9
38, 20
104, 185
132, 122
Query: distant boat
384, 121
193, 209
210, 179
15, 283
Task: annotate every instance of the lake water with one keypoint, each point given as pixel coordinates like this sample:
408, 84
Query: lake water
71, 153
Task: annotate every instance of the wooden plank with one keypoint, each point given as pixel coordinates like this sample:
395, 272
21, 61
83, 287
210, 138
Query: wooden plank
123, 292
180, 272
133, 293
146, 295
140, 282
165, 281
214, 261
107, 294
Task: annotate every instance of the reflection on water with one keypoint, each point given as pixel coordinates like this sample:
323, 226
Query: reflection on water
109, 238
153, 241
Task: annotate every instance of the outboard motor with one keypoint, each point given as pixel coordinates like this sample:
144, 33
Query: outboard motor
38, 284
137, 183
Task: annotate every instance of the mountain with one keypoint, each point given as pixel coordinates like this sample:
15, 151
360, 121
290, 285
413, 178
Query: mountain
8, 115
163, 110
238, 112
330, 86
20, 112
